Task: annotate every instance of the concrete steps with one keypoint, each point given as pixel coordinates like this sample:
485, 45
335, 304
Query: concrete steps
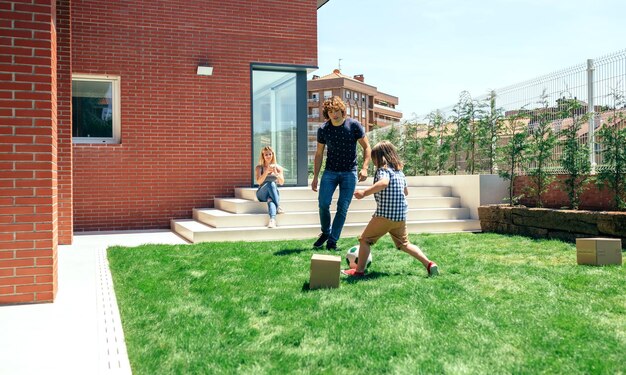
431, 209
195, 231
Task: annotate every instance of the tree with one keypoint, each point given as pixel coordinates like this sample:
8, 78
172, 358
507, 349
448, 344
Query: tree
458, 139
389, 133
439, 140
575, 156
540, 150
411, 154
511, 153
490, 128
612, 173
467, 113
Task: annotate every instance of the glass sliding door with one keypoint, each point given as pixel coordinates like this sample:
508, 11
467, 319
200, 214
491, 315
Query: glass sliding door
275, 118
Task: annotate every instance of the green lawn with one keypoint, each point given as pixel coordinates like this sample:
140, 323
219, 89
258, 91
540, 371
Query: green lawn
501, 305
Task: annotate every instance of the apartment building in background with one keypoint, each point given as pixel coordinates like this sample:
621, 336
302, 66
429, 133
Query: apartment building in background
364, 103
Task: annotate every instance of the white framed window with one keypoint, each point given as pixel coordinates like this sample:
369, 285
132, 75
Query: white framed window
328, 94
96, 108
347, 110
347, 94
356, 96
356, 112
315, 96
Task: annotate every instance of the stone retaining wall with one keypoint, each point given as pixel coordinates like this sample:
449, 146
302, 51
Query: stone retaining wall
566, 225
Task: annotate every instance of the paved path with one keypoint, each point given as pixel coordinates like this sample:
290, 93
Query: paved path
80, 333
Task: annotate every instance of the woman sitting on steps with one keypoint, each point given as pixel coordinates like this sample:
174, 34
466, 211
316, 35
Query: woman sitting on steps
269, 175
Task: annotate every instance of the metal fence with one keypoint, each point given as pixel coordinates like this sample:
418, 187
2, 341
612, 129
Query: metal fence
598, 85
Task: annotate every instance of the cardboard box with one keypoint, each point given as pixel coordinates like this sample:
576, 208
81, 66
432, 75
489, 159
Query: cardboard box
599, 251
325, 271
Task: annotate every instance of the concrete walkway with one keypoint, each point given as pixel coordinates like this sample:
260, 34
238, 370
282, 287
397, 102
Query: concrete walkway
81, 332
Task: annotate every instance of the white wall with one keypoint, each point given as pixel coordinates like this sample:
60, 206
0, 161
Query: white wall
474, 190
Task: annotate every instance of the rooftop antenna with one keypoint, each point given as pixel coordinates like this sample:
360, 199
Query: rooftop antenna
340, 64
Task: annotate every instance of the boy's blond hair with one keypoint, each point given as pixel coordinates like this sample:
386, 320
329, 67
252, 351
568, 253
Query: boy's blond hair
384, 153
334, 104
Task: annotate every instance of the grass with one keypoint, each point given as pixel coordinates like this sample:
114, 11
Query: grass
501, 305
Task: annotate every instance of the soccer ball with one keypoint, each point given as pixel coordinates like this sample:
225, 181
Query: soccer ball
352, 257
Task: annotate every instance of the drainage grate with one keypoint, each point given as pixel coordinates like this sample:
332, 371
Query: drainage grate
112, 348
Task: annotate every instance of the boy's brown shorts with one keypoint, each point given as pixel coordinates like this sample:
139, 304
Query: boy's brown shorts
379, 226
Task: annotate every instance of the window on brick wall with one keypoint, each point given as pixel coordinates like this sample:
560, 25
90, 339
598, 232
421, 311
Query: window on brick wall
95, 109
274, 118
279, 118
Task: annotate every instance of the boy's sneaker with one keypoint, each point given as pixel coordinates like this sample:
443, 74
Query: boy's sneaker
272, 223
352, 272
331, 245
320, 241
432, 269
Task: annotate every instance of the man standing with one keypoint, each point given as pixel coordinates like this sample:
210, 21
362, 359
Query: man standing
340, 135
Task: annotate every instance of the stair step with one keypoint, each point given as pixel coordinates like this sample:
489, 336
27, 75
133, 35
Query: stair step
305, 192
195, 231
245, 206
222, 219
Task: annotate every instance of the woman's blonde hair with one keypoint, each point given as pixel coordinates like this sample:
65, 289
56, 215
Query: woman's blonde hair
384, 153
262, 160
334, 104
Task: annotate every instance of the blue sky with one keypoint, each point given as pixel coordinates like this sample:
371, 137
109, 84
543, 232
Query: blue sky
427, 51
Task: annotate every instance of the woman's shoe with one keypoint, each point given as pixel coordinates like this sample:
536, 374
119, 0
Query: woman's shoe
272, 223
280, 210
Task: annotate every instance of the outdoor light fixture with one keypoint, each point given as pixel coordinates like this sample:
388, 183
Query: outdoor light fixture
204, 70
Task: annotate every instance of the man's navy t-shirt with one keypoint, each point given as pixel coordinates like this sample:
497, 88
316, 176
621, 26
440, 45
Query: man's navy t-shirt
341, 144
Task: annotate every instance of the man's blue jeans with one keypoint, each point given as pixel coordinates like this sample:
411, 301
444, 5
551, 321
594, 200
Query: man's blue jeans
269, 190
330, 180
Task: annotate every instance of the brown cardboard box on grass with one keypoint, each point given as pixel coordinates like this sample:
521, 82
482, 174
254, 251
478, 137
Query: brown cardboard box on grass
325, 271
599, 251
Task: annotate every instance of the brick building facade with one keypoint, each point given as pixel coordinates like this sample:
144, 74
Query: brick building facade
175, 139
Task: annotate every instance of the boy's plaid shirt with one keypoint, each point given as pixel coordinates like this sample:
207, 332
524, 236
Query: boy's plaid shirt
391, 202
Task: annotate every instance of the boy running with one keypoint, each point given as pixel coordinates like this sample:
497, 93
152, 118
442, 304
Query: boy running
390, 192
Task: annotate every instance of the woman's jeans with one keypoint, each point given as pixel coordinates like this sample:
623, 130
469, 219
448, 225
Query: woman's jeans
269, 190
347, 183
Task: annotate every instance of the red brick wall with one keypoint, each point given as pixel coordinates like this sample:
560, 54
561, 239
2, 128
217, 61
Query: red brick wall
186, 139
592, 198
28, 154
64, 119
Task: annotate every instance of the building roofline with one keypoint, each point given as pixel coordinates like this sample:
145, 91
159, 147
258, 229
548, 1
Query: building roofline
321, 3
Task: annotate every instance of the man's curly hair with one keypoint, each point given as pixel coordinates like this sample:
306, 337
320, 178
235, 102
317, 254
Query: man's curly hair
334, 104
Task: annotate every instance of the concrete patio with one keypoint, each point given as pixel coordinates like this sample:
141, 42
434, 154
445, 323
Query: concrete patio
81, 332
